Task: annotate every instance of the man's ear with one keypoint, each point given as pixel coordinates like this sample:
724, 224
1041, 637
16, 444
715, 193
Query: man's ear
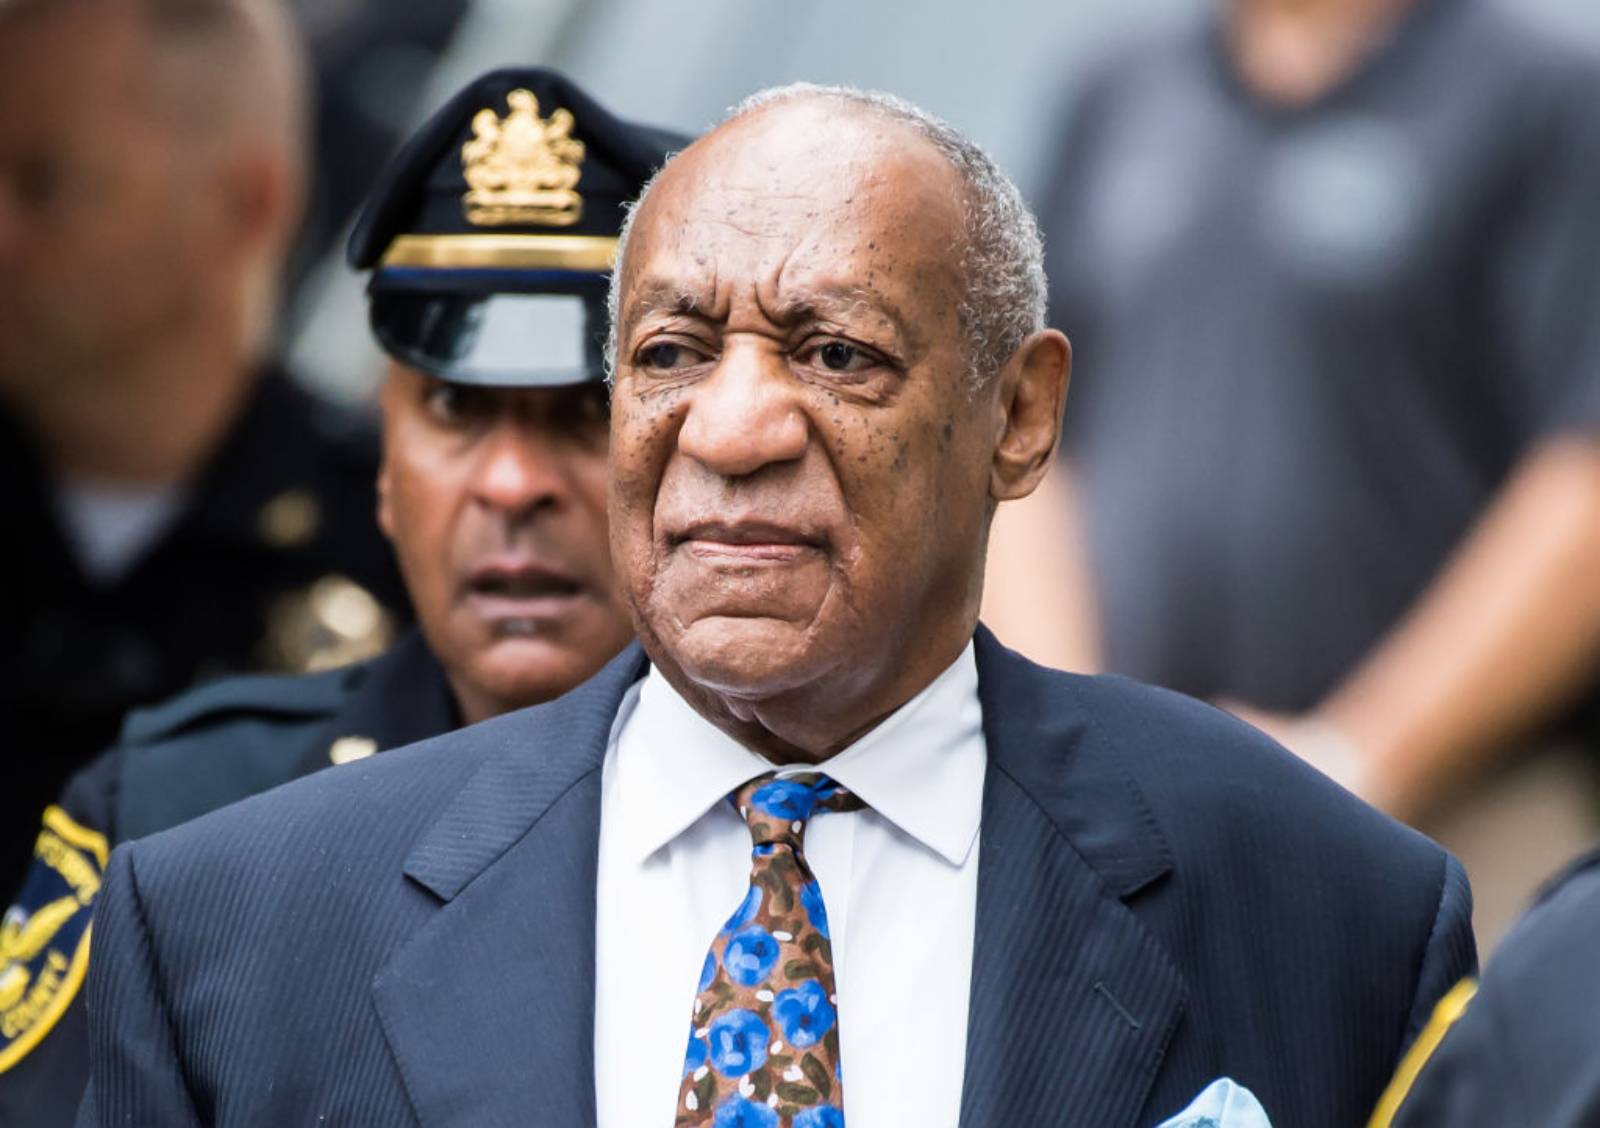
260, 198
1032, 393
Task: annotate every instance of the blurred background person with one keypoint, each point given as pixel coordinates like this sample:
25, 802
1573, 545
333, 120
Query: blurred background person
177, 506
1331, 269
492, 490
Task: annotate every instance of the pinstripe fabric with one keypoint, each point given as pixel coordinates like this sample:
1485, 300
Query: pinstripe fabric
1148, 861
257, 962
1163, 897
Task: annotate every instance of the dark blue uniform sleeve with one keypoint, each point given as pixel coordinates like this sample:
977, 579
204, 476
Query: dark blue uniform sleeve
135, 1076
44, 950
1523, 1049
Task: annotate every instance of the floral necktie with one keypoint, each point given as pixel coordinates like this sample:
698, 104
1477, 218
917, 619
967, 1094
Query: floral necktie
764, 1040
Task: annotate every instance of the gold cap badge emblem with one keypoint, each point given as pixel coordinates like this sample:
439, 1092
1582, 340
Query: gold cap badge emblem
522, 168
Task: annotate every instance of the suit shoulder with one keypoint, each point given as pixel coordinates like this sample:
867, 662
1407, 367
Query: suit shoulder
351, 809
213, 746
240, 698
1202, 769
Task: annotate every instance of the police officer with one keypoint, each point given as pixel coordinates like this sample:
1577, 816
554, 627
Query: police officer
490, 239
1519, 1047
175, 505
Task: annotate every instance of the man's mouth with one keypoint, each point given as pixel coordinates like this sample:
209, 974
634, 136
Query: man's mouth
747, 542
521, 590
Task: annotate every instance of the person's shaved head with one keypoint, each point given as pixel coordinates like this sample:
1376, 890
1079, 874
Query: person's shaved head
152, 175
225, 72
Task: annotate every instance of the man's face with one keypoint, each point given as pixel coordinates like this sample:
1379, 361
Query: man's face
495, 500
96, 255
799, 476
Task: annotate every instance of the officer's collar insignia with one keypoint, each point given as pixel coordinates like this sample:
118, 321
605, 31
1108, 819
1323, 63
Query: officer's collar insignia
349, 749
522, 168
44, 937
333, 622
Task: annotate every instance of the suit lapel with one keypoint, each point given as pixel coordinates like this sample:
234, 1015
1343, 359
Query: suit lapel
1073, 1000
489, 1008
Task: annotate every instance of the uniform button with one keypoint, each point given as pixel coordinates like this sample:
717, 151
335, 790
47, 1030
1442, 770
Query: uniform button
289, 520
349, 749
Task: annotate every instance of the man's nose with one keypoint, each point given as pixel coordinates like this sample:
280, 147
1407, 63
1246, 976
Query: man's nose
744, 415
520, 471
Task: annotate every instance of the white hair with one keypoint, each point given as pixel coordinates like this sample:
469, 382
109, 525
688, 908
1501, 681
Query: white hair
1002, 258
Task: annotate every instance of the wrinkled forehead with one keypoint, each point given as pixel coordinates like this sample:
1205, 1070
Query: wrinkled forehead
800, 195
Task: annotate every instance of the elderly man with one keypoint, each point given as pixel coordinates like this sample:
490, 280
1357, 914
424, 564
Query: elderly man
1027, 897
493, 490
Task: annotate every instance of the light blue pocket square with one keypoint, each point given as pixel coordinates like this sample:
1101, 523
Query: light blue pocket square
1224, 1104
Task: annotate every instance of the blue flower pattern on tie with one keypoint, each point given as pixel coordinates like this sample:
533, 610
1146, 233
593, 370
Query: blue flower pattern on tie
764, 1043
750, 955
745, 913
804, 1014
816, 911
736, 1112
739, 1040
696, 1055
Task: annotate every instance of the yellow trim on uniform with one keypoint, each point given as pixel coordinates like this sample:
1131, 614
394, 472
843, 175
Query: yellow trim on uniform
63, 997
504, 252
1445, 1013
77, 835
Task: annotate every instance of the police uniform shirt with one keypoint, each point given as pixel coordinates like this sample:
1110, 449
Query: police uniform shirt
207, 748
278, 534
1519, 1048
1311, 342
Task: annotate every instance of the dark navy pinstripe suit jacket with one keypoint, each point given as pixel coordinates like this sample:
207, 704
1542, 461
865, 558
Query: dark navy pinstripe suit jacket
1163, 897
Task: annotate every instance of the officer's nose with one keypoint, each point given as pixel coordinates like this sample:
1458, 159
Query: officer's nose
744, 415
520, 471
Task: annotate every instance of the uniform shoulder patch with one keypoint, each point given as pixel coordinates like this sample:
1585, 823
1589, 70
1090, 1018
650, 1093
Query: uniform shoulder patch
278, 695
44, 937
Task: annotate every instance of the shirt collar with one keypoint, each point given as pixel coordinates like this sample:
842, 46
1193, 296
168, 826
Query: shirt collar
922, 768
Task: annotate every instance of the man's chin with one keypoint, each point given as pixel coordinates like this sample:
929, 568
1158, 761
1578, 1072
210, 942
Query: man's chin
746, 657
519, 670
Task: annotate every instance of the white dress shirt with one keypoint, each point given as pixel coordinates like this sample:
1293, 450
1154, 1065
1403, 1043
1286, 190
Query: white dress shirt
899, 879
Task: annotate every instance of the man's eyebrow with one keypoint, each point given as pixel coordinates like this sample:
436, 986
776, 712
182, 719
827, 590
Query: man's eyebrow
651, 298
835, 302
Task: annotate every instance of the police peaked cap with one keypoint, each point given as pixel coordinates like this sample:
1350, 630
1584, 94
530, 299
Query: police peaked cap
491, 234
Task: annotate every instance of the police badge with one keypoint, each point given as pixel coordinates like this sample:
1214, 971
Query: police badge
44, 937
522, 168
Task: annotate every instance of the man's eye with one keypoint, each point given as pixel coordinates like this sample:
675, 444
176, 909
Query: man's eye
586, 405
453, 404
837, 356
667, 355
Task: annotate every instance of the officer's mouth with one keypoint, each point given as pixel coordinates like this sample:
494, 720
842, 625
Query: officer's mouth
513, 595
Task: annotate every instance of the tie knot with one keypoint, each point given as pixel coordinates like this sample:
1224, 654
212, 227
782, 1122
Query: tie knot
776, 808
